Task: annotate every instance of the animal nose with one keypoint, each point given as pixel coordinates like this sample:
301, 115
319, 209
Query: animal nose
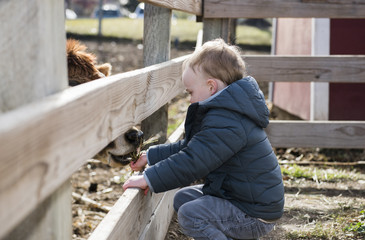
134, 136
73, 83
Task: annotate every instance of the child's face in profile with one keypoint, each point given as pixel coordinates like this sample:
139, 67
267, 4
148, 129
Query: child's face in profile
196, 85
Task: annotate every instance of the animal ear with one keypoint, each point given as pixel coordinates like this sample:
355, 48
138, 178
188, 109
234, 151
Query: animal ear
105, 69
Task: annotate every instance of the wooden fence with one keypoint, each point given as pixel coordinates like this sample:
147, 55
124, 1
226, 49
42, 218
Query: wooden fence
44, 142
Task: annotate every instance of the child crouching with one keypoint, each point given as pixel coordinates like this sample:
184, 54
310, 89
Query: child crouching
225, 143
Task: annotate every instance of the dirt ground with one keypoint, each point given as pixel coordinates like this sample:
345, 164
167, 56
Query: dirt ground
314, 209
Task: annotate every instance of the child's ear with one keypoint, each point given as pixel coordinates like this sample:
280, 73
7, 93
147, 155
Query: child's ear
213, 86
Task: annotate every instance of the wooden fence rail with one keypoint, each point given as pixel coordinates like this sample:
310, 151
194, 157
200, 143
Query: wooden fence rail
324, 134
284, 8
52, 138
267, 9
334, 68
191, 6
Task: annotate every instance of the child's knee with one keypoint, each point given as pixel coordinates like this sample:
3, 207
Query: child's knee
186, 217
186, 195
178, 200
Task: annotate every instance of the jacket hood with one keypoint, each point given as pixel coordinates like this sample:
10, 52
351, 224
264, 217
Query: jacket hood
243, 96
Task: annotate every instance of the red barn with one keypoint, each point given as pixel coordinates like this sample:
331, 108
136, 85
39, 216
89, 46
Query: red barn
320, 101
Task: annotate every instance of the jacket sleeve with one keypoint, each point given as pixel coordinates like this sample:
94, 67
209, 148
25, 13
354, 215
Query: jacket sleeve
159, 152
221, 136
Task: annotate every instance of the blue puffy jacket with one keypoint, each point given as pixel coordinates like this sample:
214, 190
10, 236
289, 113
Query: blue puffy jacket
225, 143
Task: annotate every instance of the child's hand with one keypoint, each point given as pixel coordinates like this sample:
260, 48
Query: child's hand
140, 163
136, 181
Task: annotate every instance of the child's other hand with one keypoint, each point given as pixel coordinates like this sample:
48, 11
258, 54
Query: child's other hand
140, 163
136, 181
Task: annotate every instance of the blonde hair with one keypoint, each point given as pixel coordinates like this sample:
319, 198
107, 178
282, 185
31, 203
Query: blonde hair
218, 60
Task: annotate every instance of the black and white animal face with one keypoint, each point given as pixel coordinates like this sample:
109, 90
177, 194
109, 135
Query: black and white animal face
119, 152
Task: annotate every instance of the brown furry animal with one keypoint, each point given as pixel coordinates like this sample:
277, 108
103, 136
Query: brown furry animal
82, 65
82, 68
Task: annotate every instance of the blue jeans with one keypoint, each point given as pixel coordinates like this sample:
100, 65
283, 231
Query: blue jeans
208, 217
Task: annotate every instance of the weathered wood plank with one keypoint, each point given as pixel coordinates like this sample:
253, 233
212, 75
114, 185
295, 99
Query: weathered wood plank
284, 8
160, 220
128, 217
32, 47
334, 68
33, 66
219, 28
156, 49
43, 143
323, 134
52, 219
212, 28
190, 6
131, 215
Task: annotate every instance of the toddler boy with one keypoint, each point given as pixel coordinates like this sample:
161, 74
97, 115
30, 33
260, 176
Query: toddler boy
225, 143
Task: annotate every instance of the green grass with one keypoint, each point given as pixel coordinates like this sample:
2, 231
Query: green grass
357, 224
319, 174
183, 29
253, 36
112, 27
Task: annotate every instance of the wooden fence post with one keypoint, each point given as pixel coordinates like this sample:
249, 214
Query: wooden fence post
219, 28
156, 37
32, 46
52, 219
